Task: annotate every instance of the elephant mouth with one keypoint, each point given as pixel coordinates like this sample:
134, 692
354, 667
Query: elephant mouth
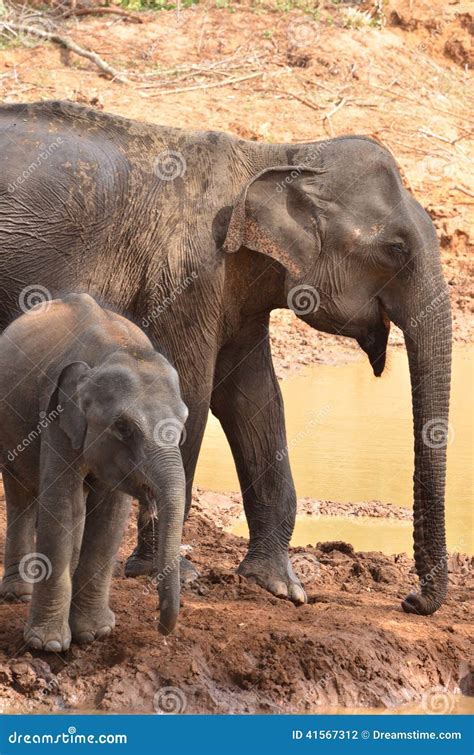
374, 343
148, 498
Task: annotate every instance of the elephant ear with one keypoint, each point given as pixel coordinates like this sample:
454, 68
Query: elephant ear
64, 398
276, 214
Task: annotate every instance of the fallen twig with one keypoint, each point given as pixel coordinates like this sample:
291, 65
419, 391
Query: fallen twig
99, 10
68, 44
426, 132
304, 101
457, 187
227, 82
336, 108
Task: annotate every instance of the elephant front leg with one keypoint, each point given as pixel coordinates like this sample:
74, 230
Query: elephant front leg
248, 402
61, 504
106, 516
19, 541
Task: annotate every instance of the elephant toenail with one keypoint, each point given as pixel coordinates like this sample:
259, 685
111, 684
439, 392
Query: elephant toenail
53, 646
84, 637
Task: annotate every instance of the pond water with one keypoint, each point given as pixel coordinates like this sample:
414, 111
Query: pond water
350, 439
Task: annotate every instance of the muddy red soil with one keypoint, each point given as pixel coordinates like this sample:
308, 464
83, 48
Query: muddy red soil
239, 650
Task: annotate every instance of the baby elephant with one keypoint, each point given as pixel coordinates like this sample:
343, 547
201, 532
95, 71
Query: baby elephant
90, 414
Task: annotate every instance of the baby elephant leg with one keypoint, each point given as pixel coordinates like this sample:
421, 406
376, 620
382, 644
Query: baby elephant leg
61, 504
106, 515
21, 566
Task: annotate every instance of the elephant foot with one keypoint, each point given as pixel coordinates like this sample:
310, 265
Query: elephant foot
187, 571
87, 627
275, 575
141, 564
54, 637
420, 604
14, 589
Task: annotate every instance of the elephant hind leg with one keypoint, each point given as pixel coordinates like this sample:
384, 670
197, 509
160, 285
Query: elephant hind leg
20, 562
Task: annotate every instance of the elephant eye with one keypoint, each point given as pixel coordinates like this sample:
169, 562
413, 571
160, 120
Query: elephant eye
123, 428
398, 248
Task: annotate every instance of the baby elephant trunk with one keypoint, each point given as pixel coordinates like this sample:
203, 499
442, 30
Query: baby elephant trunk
168, 481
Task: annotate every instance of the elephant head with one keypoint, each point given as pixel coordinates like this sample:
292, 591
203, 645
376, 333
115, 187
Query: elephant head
353, 251
127, 418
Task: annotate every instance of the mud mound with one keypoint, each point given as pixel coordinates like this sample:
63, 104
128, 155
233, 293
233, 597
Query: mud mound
237, 649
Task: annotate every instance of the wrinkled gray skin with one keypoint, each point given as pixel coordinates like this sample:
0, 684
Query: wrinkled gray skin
218, 236
90, 415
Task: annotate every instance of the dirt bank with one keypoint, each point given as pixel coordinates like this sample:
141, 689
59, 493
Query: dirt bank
401, 77
237, 649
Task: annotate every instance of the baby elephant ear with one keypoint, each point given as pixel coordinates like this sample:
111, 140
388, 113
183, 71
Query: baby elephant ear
72, 419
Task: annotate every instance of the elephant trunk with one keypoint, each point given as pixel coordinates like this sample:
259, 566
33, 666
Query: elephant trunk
428, 336
168, 483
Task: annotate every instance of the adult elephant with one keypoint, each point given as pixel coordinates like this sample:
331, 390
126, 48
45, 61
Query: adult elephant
198, 236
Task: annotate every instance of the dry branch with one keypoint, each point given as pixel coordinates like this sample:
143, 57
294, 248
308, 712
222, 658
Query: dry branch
68, 44
457, 187
227, 82
99, 10
303, 101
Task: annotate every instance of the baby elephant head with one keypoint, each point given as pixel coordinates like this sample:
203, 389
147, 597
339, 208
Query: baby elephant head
127, 418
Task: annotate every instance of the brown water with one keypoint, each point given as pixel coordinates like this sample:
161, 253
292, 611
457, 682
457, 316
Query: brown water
451, 704
350, 439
